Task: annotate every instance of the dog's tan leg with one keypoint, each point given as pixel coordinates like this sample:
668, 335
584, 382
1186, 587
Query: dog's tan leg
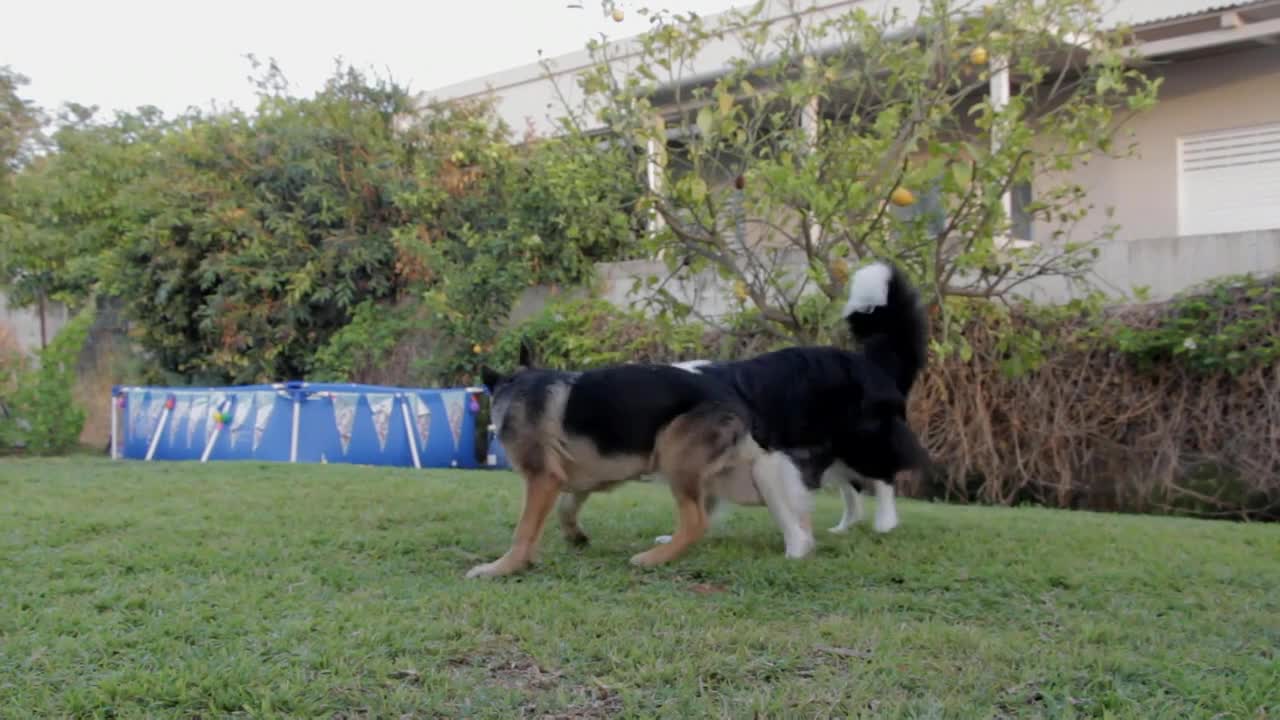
691, 526
539, 495
691, 452
568, 508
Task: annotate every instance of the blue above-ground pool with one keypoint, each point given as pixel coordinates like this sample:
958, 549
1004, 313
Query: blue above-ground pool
302, 422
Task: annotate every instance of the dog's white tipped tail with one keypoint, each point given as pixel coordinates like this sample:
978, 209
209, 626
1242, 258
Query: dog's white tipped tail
869, 289
886, 319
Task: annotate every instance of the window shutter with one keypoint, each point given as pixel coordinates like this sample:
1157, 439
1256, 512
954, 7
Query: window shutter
1229, 181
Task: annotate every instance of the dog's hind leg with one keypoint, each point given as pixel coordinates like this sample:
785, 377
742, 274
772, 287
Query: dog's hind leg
539, 495
691, 452
567, 509
852, 507
847, 481
691, 526
717, 511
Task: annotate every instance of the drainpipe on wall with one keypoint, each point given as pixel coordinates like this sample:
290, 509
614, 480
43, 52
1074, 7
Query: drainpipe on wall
654, 178
809, 121
1000, 92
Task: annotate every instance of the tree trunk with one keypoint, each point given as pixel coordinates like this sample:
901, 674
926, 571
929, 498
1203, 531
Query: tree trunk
44, 337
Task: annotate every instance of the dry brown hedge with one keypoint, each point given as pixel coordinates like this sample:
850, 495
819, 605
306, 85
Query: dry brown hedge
1087, 429
1090, 429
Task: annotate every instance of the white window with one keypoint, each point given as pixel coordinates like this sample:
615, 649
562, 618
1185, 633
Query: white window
1229, 180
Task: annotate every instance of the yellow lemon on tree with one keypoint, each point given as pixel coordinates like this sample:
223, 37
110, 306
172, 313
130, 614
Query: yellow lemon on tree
840, 270
477, 349
617, 14
902, 197
978, 56
740, 290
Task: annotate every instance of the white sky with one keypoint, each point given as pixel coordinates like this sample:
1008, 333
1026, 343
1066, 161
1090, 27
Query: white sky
121, 54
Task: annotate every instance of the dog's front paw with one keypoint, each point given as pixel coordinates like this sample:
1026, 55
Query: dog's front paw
800, 547
487, 570
886, 522
840, 529
649, 558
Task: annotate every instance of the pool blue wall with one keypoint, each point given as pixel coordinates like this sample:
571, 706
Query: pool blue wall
337, 423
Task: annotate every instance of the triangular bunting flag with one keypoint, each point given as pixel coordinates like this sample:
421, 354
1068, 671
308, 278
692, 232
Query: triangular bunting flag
137, 412
198, 412
344, 416
263, 403
240, 417
381, 404
154, 409
422, 418
454, 402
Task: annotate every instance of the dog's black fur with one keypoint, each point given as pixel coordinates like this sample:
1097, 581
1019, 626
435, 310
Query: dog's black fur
820, 405
620, 408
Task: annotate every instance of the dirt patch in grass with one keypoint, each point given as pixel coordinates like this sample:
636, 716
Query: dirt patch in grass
601, 703
506, 665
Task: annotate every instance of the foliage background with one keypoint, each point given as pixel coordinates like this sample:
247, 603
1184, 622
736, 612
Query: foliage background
357, 235
258, 246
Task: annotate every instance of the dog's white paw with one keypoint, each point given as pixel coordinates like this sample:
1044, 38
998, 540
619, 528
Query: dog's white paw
483, 571
800, 547
662, 539
840, 529
886, 522
645, 559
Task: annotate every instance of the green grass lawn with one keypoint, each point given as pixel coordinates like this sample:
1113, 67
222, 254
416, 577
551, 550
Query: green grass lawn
179, 590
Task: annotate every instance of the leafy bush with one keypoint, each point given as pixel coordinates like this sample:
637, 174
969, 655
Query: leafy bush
362, 344
242, 242
540, 214
1225, 326
42, 415
580, 334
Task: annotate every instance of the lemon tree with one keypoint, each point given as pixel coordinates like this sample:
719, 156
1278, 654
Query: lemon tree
847, 135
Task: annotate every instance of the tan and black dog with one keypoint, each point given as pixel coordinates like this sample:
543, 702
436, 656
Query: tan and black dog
578, 433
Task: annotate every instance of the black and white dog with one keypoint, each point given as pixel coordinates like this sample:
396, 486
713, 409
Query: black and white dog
834, 414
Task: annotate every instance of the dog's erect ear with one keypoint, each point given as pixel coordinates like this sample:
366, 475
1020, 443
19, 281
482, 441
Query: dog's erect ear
490, 377
526, 354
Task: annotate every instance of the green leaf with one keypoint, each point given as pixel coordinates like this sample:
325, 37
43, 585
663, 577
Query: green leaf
706, 121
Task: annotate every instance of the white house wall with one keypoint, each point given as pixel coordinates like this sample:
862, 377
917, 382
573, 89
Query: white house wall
1215, 93
527, 97
23, 324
